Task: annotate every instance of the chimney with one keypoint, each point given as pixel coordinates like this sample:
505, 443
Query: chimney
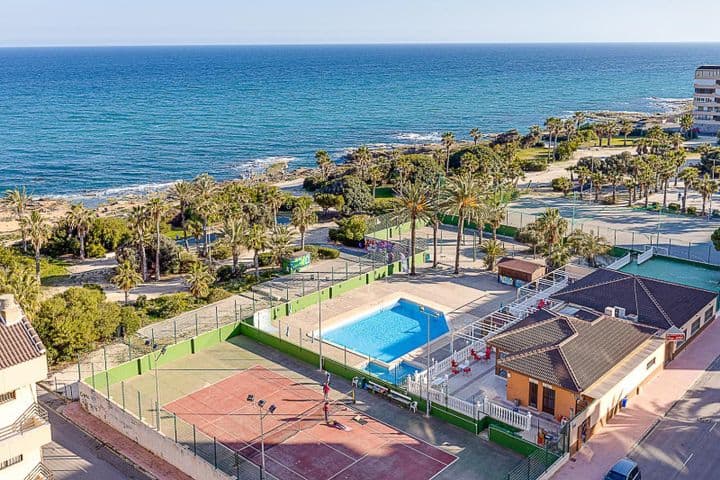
610, 311
10, 311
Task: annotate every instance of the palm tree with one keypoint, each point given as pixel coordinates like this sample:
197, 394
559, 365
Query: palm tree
156, 210
476, 135
447, 140
204, 205
362, 158
493, 250
551, 227
199, 280
80, 219
39, 232
17, 201
138, 223
184, 192
689, 176
666, 171
21, 281
557, 255
597, 180
626, 128
686, 124
589, 246
375, 175
494, 209
583, 175
552, 125
233, 227
612, 129
256, 239
414, 203
461, 198
579, 118
324, 163
280, 244
706, 187
126, 278
303, 217
275, 199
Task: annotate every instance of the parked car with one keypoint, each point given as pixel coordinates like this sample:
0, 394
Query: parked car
624, 469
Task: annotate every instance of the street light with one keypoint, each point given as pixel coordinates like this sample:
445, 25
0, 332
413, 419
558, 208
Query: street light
319, 295
427, 348
271, 409
157, 386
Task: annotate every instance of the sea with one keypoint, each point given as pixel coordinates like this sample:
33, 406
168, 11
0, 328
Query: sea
89, 123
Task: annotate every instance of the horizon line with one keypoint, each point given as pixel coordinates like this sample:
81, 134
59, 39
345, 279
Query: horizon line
359, 44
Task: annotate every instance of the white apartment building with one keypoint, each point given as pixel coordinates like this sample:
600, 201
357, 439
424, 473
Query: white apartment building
706, 101
24, 426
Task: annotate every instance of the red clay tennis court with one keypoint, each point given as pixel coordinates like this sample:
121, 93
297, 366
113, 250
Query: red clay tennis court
299, 445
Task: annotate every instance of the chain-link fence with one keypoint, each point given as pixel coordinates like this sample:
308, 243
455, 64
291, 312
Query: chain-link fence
533, 466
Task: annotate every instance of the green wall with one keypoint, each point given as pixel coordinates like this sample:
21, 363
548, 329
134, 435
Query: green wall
512, 441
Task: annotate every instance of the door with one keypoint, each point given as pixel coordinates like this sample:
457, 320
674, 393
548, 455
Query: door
532, 398
548, 401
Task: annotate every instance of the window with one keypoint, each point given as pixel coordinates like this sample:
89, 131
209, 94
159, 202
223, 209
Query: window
709, 313
650, 363
7, 397
10, 462
548, 400
695, 327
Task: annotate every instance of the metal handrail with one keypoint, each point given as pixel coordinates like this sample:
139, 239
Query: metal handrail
39, 472
31, 418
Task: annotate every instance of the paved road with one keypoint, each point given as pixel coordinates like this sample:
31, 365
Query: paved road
686, 443
72, 455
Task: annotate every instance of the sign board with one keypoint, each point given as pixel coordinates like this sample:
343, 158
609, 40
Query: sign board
674, 334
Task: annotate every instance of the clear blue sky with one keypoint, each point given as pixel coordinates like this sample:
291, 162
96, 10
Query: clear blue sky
131, 22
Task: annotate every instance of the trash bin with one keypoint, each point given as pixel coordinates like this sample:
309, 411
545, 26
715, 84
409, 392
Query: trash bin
427, 257
623, 402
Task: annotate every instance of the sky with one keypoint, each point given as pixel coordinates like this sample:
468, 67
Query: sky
164, 22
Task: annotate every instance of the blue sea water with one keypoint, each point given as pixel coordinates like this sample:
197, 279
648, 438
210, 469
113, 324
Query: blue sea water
114, 120
389, 333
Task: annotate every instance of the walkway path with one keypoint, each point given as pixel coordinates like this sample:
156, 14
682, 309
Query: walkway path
629, 426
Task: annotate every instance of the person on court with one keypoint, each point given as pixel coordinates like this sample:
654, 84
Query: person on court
326, 391
326, 410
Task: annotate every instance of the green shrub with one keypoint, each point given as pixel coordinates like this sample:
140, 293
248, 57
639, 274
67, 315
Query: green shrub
312, 183
265, 259
357, 194
221, 251
674, 207
534, 165
327, 253
383, 205
561, 184
216, 294
691, 210
95, 250
169, 306
130, 321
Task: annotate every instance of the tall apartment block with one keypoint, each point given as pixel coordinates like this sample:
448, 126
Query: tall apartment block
706, 101
24, 427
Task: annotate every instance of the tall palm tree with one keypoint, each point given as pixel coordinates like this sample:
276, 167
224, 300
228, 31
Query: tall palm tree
138, 223
38, 231
375, 175
551, 227
414, 203
303, 217
476, 135
17, 201
579, 118
583, 175
626, 128
493, 250
275, 198
256, 239
156, 211
81, 219
612, 129
21, 281
494, 209
686, 123
362, 158
204, 204
233, 228
461, 197
447, 140
280, 244
665, 171
689, 176
126, 278
588, 245
199, 280
196, 230
324, 163
184, 192
706, 187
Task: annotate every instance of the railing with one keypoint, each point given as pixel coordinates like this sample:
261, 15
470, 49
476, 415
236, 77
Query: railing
620, 262
645, 256
506, 415
31, 418
40, 472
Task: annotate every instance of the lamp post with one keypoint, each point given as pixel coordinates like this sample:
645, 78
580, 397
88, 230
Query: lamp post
319, 294
572, 223
427, 348
271, 409
157, 386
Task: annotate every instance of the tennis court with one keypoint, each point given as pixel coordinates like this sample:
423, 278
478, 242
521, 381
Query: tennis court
299, 445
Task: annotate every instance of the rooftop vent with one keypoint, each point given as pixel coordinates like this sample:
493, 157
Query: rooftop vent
10, 312
610, 311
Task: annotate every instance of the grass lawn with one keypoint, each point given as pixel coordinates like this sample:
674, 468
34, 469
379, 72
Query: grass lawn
53, 271
384, 192
532, 153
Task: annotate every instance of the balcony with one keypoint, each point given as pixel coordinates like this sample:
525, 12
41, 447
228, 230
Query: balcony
31, 430
40, 472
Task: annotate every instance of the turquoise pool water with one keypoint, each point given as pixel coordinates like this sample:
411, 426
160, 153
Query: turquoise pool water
394, 375
677, 271
389, 333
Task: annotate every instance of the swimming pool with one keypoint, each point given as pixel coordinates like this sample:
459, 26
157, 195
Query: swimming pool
389, 332
676, 271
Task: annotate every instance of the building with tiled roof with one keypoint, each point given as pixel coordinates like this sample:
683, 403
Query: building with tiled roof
24, 426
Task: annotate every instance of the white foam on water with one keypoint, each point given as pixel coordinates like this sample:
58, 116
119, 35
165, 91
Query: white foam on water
412, 137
